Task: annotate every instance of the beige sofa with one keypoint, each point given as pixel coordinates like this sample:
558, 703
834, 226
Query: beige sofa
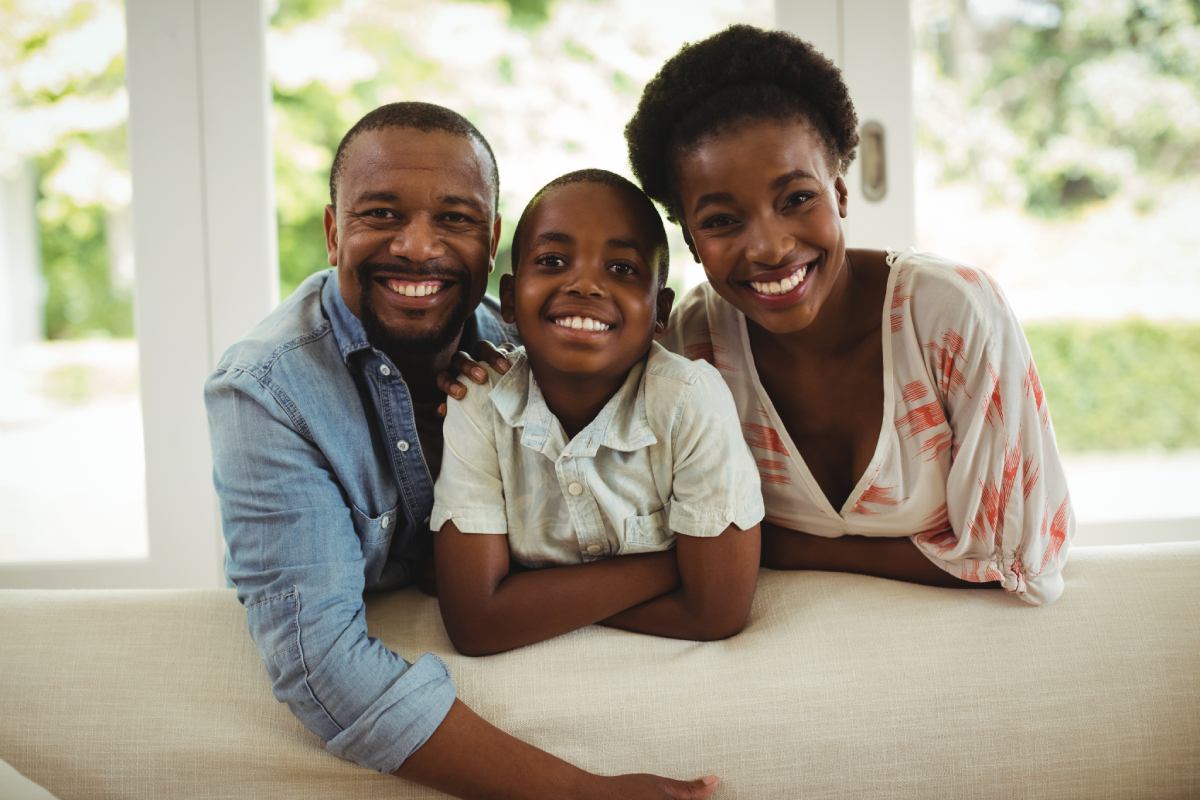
841, 686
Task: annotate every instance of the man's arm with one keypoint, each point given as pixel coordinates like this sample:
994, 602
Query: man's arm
489, 609
896, 558
469, 758
717, 580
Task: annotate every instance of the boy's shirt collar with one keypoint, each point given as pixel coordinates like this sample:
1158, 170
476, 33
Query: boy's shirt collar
622, 423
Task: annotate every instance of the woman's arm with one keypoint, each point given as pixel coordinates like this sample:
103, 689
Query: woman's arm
488, 609
896, 558
717, 579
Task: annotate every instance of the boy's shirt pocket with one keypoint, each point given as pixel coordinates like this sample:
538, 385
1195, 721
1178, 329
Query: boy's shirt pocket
647, 533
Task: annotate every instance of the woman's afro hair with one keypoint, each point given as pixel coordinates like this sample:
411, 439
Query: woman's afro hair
742, 73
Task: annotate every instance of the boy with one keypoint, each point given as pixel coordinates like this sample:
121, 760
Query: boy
596, 442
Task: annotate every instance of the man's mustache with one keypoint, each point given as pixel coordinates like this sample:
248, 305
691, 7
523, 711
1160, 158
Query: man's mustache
427, 270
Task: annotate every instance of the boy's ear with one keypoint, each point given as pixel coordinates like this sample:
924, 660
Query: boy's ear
666, 299
331, 235
508, 300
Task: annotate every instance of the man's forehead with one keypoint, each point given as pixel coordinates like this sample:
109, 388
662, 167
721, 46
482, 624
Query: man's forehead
376, 156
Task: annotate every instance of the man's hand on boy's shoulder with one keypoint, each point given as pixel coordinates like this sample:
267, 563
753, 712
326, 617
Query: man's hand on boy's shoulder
471, 366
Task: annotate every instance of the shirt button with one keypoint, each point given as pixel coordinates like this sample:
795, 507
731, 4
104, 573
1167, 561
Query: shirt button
575, 489
402, 446
593, 549
383, 523
385, 369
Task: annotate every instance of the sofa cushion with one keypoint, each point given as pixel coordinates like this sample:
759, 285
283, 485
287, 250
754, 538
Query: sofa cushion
842, 686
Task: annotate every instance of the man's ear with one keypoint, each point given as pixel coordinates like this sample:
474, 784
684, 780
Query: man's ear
495, 242
843, 195
666, 299
508, 299
331, 235
687, 238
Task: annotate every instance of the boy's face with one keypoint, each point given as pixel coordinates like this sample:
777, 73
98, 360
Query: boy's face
585, 296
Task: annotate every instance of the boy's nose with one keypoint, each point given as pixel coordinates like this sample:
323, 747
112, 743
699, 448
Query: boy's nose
583, 282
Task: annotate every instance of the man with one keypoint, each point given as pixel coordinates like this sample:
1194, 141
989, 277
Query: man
325, 437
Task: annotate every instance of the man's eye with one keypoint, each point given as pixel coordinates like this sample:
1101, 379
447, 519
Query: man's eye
455, 218
380, 213
550, 260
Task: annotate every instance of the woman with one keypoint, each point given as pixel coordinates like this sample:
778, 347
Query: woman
890, 399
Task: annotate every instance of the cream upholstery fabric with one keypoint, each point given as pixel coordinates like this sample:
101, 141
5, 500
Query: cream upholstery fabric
841, 687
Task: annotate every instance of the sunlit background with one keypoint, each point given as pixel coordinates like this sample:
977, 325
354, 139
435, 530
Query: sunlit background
1058, 148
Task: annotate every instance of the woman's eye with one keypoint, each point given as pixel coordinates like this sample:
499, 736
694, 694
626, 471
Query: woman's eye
797, 198
718, 221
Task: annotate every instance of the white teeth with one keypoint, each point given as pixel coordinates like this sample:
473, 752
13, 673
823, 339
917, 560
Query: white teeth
582, 324
781, 287
414, 289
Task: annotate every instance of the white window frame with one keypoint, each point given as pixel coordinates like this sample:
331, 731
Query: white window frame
204, 241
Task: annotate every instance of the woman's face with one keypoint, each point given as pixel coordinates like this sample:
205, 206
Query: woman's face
762, 209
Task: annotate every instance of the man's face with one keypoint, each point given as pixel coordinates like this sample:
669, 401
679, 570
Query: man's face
413, 236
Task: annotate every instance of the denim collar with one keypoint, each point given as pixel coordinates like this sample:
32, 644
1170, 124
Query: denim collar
351, 337
621, 425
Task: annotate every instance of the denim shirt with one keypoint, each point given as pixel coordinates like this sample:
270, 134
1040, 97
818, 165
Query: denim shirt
324, 495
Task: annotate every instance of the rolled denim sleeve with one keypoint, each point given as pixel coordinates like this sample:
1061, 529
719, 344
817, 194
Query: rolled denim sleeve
298, 566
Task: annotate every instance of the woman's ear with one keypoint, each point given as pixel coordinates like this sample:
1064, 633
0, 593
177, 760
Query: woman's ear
843, 195
508, 300
687, 238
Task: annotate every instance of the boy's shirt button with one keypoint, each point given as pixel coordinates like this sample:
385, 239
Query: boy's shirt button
575, 489
593, 549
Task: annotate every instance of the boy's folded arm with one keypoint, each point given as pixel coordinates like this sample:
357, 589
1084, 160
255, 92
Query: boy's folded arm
488, 609
717, 579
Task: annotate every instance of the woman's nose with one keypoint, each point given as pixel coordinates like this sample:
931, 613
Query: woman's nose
769, 242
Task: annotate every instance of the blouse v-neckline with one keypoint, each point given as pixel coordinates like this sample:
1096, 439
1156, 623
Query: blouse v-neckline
886, 422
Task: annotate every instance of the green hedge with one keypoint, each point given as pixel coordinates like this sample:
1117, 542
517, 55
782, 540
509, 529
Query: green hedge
1120, 386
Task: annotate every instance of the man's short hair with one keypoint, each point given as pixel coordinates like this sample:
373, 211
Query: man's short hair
419, 117
642, 204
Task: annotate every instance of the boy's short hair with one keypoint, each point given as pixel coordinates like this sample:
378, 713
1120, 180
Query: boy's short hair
643, 206
742, 74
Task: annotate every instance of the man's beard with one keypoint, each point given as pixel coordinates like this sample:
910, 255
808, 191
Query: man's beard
426, 342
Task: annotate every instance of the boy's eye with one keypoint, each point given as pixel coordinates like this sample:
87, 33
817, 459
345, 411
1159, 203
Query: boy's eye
622, 268
551, 260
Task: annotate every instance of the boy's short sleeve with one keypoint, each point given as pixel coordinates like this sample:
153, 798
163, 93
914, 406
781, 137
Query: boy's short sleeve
716, 481
468, 489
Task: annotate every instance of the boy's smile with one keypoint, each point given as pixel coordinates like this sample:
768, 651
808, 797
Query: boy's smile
584, 294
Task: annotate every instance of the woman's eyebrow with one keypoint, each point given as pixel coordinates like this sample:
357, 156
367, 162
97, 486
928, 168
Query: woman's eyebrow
712, 198
788, 177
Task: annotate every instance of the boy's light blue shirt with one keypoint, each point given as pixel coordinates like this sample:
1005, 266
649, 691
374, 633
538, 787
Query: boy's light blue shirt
664, 456
324, 495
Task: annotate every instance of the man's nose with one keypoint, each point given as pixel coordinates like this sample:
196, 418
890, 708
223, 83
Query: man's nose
417, 240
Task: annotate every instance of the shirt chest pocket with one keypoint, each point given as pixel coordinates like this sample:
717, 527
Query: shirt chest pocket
647, 533
375, 529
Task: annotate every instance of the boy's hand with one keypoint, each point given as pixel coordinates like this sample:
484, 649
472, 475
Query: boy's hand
470, 365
